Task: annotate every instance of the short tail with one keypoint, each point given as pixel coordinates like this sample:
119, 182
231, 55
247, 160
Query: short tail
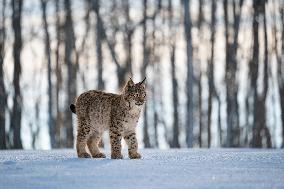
73, 108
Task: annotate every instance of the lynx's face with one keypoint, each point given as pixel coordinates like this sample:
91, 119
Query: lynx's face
135, 92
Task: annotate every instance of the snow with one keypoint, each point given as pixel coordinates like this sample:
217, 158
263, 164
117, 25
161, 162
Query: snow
183, 168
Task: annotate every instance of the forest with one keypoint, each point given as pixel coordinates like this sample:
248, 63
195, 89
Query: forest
214, 68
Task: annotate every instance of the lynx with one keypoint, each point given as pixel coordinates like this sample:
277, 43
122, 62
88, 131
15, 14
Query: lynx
98, 111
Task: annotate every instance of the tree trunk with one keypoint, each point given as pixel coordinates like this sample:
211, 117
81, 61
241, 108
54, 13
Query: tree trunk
70, 61
146, 139
237, 19
189, 79
129, 35
200, 14
50, 93
229, 125
211, 71
174, 143
200, 87
100, 81
59, 119
16, 116
282, 113
154, 63
201, 114
280, 73
265, 81
220, 132
36, 123
156, 122
58, 75
3, 97
256, 141
230, 76
260, 108
175, 140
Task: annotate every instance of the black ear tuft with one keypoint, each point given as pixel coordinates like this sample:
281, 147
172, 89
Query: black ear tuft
142, 81
73, 108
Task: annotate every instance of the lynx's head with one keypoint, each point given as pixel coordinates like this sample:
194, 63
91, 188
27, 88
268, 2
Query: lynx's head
135, 93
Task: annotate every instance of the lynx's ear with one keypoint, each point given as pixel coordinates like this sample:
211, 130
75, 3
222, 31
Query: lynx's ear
130, 82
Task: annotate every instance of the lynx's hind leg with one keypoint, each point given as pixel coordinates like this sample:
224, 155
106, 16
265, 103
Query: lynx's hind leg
115, 141
82, 136
92, 143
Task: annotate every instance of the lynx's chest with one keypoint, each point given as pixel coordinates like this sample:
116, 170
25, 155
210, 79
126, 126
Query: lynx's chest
132, 117
134, 112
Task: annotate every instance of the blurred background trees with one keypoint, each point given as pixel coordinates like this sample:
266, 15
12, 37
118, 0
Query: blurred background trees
215, 71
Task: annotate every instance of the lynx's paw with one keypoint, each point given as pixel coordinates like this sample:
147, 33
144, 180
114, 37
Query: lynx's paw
99, 155
134, 155
116, 156
84, 155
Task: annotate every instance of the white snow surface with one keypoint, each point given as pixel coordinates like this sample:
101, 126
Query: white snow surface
177, 168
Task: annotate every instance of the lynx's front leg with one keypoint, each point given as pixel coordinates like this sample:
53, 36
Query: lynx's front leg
132, 143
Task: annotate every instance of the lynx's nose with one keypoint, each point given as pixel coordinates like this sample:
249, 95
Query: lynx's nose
140, 102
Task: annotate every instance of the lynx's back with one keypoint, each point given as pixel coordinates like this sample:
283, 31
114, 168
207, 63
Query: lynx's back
96, 106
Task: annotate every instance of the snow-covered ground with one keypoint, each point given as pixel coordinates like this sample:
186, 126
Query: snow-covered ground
185, 168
